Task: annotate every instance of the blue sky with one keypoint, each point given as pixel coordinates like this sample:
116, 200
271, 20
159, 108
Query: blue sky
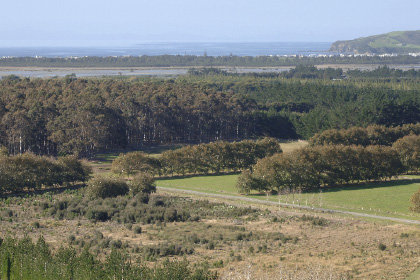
196, 20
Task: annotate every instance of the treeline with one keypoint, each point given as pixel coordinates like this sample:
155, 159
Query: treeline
312, 72
299, 72
364, 136
384, 72
215, 157
193, 60
321, 166
24, 259
31, 172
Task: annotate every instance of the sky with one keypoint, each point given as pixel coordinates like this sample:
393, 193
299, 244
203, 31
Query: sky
82, 21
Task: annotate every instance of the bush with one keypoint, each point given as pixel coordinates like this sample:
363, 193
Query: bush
142, 183
101, 187
97, 215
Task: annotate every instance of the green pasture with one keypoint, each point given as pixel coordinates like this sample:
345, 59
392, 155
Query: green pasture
390, 199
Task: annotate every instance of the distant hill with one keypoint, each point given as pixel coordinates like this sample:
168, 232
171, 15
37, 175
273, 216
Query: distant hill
397, 42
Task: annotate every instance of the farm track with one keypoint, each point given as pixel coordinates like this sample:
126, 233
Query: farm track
317, 209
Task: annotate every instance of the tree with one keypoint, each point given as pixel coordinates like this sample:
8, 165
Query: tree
73, 170
246, 182
408, 148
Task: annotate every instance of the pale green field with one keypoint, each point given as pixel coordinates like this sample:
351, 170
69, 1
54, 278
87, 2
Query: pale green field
211, 184
390, 199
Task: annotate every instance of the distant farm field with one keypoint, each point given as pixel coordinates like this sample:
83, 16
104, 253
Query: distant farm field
391, 199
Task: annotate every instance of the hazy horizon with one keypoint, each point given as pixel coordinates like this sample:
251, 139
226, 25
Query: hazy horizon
92, 21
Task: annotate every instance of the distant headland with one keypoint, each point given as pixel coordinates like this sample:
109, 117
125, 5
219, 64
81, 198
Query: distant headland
397, 42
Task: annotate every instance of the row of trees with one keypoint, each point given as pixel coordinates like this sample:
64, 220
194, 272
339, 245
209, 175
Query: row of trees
319, 166
364, 136
299, 72
193, 60
198, 159
24, 259
28, 171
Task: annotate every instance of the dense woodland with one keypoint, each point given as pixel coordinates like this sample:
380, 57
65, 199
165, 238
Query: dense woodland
193, 60
81, 116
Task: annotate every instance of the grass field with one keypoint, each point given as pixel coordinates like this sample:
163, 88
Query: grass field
390, 199
289, 146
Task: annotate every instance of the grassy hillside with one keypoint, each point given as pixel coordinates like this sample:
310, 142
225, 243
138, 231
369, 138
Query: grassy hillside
399, 42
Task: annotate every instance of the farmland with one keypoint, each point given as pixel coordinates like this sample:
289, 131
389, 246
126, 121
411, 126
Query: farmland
201, 133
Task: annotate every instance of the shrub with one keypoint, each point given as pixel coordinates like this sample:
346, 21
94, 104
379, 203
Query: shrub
415, 202
101, 187
97, 215
36, 225
382, 246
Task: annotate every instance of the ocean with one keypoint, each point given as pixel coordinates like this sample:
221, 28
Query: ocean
102, 49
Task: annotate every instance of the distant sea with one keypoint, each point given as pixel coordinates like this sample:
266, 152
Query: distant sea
31, 49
